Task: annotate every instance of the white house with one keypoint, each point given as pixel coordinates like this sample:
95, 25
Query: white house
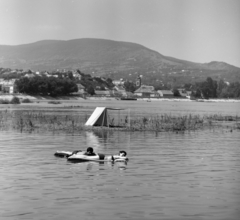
7, 86
165, 93
118, 82
146, 92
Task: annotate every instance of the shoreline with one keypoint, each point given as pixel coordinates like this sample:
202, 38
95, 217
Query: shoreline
46, 98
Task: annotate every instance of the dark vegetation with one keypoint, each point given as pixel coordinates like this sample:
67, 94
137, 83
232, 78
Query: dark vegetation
26, 101
55, 83
213, 89
14, 100
42, 85
95, 83
206, 89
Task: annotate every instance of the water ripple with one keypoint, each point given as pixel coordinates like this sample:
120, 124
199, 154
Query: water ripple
169, 176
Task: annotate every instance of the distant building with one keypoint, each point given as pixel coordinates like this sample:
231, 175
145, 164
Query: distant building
118, 82
127, 94
184, 93
119, 88
7, 86
81, 88
165, 93
29, 75
102, 93
46, 74
146, 92
77, 75
138, 82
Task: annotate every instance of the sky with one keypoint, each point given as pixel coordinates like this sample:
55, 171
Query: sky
194, 30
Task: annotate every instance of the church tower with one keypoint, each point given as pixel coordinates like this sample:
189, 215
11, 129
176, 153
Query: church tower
138, 82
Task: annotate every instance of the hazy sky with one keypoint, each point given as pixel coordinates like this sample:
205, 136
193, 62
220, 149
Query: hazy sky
194, 30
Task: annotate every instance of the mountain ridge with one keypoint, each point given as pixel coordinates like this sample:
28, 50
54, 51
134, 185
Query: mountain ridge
108, 58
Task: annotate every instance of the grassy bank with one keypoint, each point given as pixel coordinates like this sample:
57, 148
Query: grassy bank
38, 121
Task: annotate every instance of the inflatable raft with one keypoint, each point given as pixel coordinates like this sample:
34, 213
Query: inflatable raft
65, 153
79, 156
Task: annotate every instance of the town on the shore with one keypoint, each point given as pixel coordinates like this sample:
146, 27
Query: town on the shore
74, 82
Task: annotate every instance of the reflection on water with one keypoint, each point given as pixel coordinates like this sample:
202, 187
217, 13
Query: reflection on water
194, 175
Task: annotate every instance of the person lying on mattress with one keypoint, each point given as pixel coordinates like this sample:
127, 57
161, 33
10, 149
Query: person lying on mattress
121, 155
90, 152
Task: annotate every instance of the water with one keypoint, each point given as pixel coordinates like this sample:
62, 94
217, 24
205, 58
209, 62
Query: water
169, 176
132, 107
194, 175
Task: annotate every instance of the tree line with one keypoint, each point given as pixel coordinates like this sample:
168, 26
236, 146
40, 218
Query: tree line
43, 85
206, 89
214, 89
40, 85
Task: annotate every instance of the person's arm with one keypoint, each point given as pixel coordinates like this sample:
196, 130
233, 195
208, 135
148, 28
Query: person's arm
114, 157
76, 151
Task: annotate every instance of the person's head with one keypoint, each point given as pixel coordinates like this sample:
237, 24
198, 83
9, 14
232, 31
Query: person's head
90, 150
122, 153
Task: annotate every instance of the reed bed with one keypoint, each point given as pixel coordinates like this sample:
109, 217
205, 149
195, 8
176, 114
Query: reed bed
167, 123
40, 121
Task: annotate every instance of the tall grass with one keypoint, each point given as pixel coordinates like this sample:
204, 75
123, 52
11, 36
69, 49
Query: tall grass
167, 123
40, 121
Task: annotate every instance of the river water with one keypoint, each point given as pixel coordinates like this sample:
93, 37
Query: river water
194, 175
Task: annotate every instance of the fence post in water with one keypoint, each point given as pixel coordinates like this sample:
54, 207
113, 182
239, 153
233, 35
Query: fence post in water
129, 119
73, 125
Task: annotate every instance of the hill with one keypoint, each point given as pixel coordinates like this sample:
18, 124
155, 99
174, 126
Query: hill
112, 59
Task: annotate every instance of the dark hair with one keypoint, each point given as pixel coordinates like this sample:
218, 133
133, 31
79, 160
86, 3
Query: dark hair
90, 149
123, 152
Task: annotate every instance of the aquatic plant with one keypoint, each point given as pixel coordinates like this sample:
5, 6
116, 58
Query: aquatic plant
166, 123
39, 121
238, 126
